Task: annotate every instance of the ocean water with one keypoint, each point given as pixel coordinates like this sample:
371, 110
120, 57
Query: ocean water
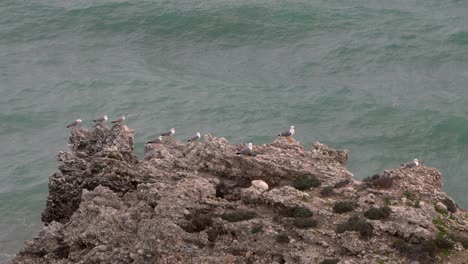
387, 80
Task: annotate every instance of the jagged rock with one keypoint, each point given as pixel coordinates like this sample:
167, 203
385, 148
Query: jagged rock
352, 243
408, 223
201, 203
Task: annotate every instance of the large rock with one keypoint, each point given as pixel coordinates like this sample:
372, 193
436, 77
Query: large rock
201, 203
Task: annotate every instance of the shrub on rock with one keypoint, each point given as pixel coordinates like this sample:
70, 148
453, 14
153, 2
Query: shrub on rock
327, 191
379, 181
378, 213
341, 183
443, 242
257, 229
330, 261
451, 206
356, 224
198, 223
238, 216
423, 252
459, 238
305, 182
305, 222
297, 212
343, 207
282, 238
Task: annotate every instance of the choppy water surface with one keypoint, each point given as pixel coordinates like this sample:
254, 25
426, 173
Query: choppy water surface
386, 79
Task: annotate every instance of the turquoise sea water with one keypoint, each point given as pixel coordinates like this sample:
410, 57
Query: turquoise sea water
386, 79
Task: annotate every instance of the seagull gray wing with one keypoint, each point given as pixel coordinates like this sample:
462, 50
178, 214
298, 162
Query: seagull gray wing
285, 134
194, 138
100, 119
118, 120
408, 164
154, 141
74, 123
244, 151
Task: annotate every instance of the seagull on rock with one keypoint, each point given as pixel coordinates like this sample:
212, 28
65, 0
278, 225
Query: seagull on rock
168, 133
155, 141
195, 137
120, 119
288, 133
101, 119
246, 150
74, 123
410, 164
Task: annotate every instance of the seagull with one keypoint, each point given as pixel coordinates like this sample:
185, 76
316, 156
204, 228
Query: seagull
195, 137
155, 141
120, 119
101, 119
288, 133
410, 164
168, 133
246, 150
74, 123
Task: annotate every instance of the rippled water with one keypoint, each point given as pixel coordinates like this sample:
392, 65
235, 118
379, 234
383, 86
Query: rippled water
386, 79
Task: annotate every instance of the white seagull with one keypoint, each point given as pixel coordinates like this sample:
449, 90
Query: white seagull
288, 133
246, 150
410, 164
101, 119
74, 123
168, 133
120, 119
195, 137
156, 141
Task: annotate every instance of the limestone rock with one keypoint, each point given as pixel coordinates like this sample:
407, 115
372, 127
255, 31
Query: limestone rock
201, 203
260, 185
441, 206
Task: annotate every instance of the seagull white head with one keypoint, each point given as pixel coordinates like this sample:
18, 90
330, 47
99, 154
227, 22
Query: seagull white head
250, 146
123, 117
160, 138
105, 117
79, 120
173, 130
416, 162
198, 134
291, 127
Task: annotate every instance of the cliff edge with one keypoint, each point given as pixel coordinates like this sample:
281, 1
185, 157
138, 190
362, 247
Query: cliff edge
201, 203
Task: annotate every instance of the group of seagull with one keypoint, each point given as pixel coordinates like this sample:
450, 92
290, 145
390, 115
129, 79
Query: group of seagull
101, 119
247, 150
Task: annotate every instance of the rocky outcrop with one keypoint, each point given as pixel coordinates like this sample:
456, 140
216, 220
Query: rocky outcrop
201, 203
